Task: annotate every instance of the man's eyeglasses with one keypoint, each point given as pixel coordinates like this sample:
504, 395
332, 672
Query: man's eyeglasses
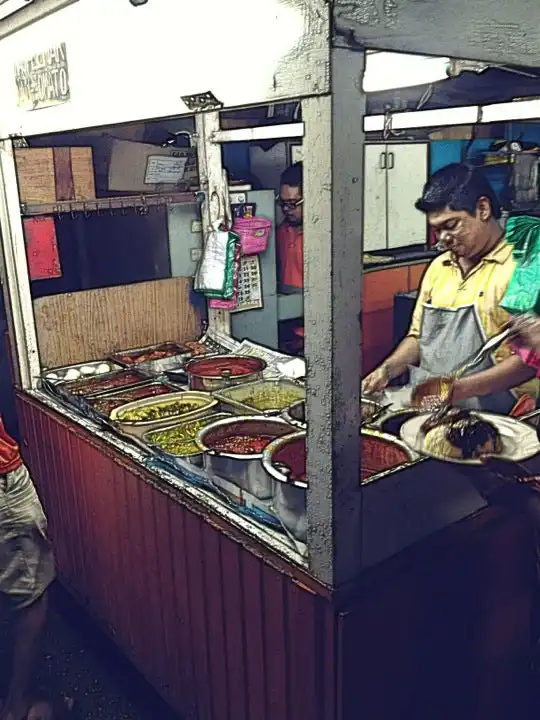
289, 204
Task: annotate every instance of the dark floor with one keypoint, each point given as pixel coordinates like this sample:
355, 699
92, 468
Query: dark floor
79, 662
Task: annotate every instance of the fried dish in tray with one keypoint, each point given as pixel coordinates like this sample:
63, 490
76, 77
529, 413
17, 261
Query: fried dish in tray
460, 434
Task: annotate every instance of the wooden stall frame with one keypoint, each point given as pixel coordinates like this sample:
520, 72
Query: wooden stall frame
333, 265
333, 229
16, 270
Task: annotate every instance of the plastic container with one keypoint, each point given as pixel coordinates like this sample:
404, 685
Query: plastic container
254, 234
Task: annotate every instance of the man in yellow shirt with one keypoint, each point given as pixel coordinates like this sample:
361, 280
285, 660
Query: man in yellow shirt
458, 304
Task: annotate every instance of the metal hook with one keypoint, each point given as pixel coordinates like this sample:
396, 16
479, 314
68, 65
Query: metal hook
97, 209
111, 209
480, 115
387, 129
227, 210
123, 210
217, 219
86, 210
72, 211
143, 209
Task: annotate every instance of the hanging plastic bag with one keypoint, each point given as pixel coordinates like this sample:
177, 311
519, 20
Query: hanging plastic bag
215, 273
221, 304
523, 291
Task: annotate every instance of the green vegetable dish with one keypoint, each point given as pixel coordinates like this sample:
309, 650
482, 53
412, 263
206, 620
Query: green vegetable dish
180, 440
273, 398
158, 412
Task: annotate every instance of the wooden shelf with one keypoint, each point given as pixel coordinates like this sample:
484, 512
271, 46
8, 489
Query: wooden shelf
140, 203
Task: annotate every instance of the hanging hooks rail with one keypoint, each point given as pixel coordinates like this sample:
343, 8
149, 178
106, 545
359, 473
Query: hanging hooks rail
108, 204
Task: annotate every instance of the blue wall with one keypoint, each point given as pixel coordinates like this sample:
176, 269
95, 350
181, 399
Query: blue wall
444, 152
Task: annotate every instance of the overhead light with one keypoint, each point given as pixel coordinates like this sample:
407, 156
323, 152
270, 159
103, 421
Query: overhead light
389, 71
528, 109
517, 110
424, 118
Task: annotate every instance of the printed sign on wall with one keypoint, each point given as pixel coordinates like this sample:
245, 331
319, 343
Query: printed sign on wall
43, 80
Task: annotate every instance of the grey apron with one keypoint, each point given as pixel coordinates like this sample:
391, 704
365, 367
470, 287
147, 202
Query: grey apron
448, 337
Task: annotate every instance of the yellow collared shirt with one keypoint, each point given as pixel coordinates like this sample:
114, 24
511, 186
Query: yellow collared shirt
443, 285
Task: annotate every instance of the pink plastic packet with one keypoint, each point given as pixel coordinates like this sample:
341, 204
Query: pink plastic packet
528, 356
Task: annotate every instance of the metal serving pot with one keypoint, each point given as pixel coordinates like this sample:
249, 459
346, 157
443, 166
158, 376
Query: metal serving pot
289, 493
296, 414
216, 372
245, 471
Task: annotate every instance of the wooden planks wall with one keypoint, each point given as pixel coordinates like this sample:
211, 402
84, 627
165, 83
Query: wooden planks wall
87, 325
222, 633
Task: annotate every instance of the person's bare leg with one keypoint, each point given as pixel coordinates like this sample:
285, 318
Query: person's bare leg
29, 624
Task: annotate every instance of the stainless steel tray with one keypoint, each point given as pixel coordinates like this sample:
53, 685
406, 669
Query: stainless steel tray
62, 391
76, 372
66, 388
154, 367
240, 398
119, 393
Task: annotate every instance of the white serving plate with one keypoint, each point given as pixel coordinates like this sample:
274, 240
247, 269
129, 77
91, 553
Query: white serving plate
519, 439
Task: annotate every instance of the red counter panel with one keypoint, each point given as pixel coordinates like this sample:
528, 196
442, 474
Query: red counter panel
222, 633
226, 630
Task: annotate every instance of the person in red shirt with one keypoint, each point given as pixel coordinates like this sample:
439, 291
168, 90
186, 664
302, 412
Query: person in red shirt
290, 234
26, 572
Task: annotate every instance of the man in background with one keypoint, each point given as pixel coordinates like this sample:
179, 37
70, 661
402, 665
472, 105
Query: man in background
290, 234
290, 253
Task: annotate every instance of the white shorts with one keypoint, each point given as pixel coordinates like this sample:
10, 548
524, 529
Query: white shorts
26, 558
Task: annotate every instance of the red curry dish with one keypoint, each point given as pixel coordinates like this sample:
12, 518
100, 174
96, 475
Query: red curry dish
106, 405
233, 365
241, 437
134, 357
93, 385
242, 444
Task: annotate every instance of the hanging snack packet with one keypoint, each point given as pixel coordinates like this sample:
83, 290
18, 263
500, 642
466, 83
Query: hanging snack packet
215, 273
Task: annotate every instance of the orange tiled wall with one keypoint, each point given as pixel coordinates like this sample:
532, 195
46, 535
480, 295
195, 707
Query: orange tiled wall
380, 286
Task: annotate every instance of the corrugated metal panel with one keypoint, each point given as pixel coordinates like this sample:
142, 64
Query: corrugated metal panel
220, 633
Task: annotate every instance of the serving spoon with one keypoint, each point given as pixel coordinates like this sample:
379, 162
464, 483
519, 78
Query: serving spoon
437, 392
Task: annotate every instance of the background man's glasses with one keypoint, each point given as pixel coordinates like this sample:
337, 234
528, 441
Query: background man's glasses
289, 204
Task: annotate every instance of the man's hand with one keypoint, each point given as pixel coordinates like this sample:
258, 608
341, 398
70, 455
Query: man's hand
508, 374
376, 381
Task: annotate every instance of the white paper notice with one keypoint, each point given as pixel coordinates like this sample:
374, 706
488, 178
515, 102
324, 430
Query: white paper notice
162, 169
